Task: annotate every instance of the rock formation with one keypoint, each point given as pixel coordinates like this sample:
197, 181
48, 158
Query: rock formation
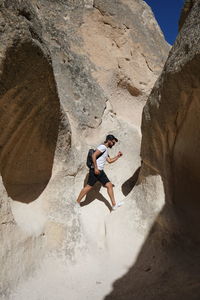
70, 73
167, 266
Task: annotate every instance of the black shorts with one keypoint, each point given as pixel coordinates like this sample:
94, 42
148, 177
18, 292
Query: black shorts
93, 178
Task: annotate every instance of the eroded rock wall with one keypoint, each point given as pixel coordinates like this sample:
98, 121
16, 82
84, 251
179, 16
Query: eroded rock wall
172, 113
167, 266
31, 119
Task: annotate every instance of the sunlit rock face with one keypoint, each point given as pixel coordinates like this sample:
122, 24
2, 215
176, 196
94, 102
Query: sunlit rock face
70, 73
168, 264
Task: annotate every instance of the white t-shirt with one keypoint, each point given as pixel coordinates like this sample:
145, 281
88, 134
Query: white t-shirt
102, 159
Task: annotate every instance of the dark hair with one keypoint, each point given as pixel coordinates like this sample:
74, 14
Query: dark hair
111, 137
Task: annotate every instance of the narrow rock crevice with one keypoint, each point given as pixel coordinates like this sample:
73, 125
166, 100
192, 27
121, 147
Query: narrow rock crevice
147, 63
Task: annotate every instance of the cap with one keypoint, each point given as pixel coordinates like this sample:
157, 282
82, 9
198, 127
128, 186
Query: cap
111, 137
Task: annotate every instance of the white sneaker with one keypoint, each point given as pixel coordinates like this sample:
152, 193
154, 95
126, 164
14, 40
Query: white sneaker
117, 205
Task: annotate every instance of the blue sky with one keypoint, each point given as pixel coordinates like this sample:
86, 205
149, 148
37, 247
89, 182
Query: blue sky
167, 13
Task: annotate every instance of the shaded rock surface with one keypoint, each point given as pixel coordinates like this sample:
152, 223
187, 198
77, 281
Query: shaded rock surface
70, 73
185, 11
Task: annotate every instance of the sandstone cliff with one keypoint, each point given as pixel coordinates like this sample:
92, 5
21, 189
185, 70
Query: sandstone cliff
70, 72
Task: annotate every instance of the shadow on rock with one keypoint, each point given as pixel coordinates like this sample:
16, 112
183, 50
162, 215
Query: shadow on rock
129, 184
95, 194
30, 117
167, 267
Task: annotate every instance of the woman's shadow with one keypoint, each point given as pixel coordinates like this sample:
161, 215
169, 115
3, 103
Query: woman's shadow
95, 194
